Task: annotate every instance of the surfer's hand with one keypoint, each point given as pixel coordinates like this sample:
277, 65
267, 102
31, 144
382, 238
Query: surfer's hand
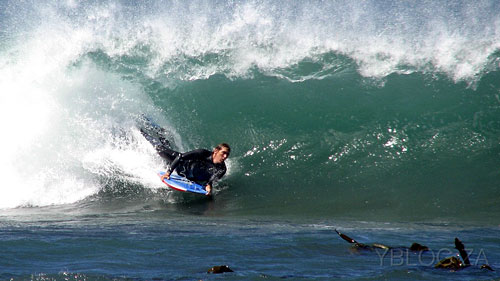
166, 176
208, 188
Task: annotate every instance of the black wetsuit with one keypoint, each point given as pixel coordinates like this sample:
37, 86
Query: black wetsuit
196, 165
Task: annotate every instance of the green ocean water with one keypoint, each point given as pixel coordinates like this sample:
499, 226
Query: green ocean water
416, 147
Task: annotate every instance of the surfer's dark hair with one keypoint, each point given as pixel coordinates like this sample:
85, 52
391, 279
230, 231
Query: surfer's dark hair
223, 145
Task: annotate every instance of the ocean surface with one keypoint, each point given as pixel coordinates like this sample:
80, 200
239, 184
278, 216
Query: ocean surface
380, 119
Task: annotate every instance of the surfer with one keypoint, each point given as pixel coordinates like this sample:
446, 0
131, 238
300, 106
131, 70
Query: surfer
200, 165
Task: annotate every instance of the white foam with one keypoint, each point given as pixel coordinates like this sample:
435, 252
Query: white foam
382, 38
54, 116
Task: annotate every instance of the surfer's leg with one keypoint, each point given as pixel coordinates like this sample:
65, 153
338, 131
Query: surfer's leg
167, 154
155, 134
164, 142
160, 143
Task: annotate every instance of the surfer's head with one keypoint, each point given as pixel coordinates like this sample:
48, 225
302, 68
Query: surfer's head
221, 153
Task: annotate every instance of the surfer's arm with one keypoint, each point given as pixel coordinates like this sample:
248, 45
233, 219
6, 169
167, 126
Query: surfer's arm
217, 176
173, 165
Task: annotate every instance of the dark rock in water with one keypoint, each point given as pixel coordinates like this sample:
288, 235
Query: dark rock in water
461, 249
219, 269
414, 246
352, 241
346, 238
449, 263
418, 247
485, 266
362, 246
455, 263
380, 246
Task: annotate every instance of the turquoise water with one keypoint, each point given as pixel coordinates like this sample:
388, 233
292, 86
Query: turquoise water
381, 119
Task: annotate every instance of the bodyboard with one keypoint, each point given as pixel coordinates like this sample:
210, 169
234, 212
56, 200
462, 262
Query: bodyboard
182, 184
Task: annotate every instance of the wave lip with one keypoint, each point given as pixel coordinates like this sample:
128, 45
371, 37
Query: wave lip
189, 41
381, 39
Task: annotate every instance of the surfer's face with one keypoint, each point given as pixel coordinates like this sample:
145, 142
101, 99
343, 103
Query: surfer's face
220, 155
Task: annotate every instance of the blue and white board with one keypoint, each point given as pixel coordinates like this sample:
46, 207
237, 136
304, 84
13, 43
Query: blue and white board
182, 184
